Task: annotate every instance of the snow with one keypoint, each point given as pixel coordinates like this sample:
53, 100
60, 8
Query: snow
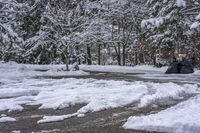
124, 69
47, 119
145, 72
19, 87
14, 71
15, 131
181, 3
49, 131
195, 25
101, 94
152, 22
161, 95
7, 119
16, 93
198, 17
182, 118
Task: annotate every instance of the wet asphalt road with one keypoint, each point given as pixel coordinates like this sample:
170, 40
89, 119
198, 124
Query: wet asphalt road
107, 121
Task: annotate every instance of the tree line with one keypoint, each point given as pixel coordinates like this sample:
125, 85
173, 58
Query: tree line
123, 32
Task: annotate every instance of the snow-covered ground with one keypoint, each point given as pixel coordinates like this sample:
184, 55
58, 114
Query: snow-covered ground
4, 118
182, 118
14, 71
96, 94
147, 72
18, 87
124, 69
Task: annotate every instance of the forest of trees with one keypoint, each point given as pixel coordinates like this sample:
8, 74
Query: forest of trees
123, 32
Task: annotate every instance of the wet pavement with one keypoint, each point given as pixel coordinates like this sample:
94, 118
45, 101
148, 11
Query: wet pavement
107, 121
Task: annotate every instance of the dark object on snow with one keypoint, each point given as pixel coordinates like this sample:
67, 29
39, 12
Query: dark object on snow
193, 61
182, 67
41, 70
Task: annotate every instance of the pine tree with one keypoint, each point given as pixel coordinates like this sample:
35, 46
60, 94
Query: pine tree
169, 25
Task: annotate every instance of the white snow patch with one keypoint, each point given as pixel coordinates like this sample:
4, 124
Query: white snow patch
160, 94
15, 131
152, 22
181, 3
7, 119
182, 118
6, 93
48, 131
195, 25
101, 95
47, 119
12, 71
124, 69
198, 17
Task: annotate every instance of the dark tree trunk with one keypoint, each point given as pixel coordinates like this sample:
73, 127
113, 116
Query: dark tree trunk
136, 58
119, 55
89, 61
99, 54
154, 60
66, 59
67, 63
124, 55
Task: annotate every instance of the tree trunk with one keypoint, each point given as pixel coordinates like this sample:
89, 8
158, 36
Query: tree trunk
119, 55
124, 55
154, 59
67, 62
136, 58
66, 59
99, 54
89, 61
126, 43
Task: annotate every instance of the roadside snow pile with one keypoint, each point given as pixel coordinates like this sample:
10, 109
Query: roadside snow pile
182, 118
124, 69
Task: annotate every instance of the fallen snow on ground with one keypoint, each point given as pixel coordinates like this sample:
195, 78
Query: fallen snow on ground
15, 131
182, 118
14, 71
18, 88
96, 94
49, 131
7, 119
147, 72
101, 95
124, 69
